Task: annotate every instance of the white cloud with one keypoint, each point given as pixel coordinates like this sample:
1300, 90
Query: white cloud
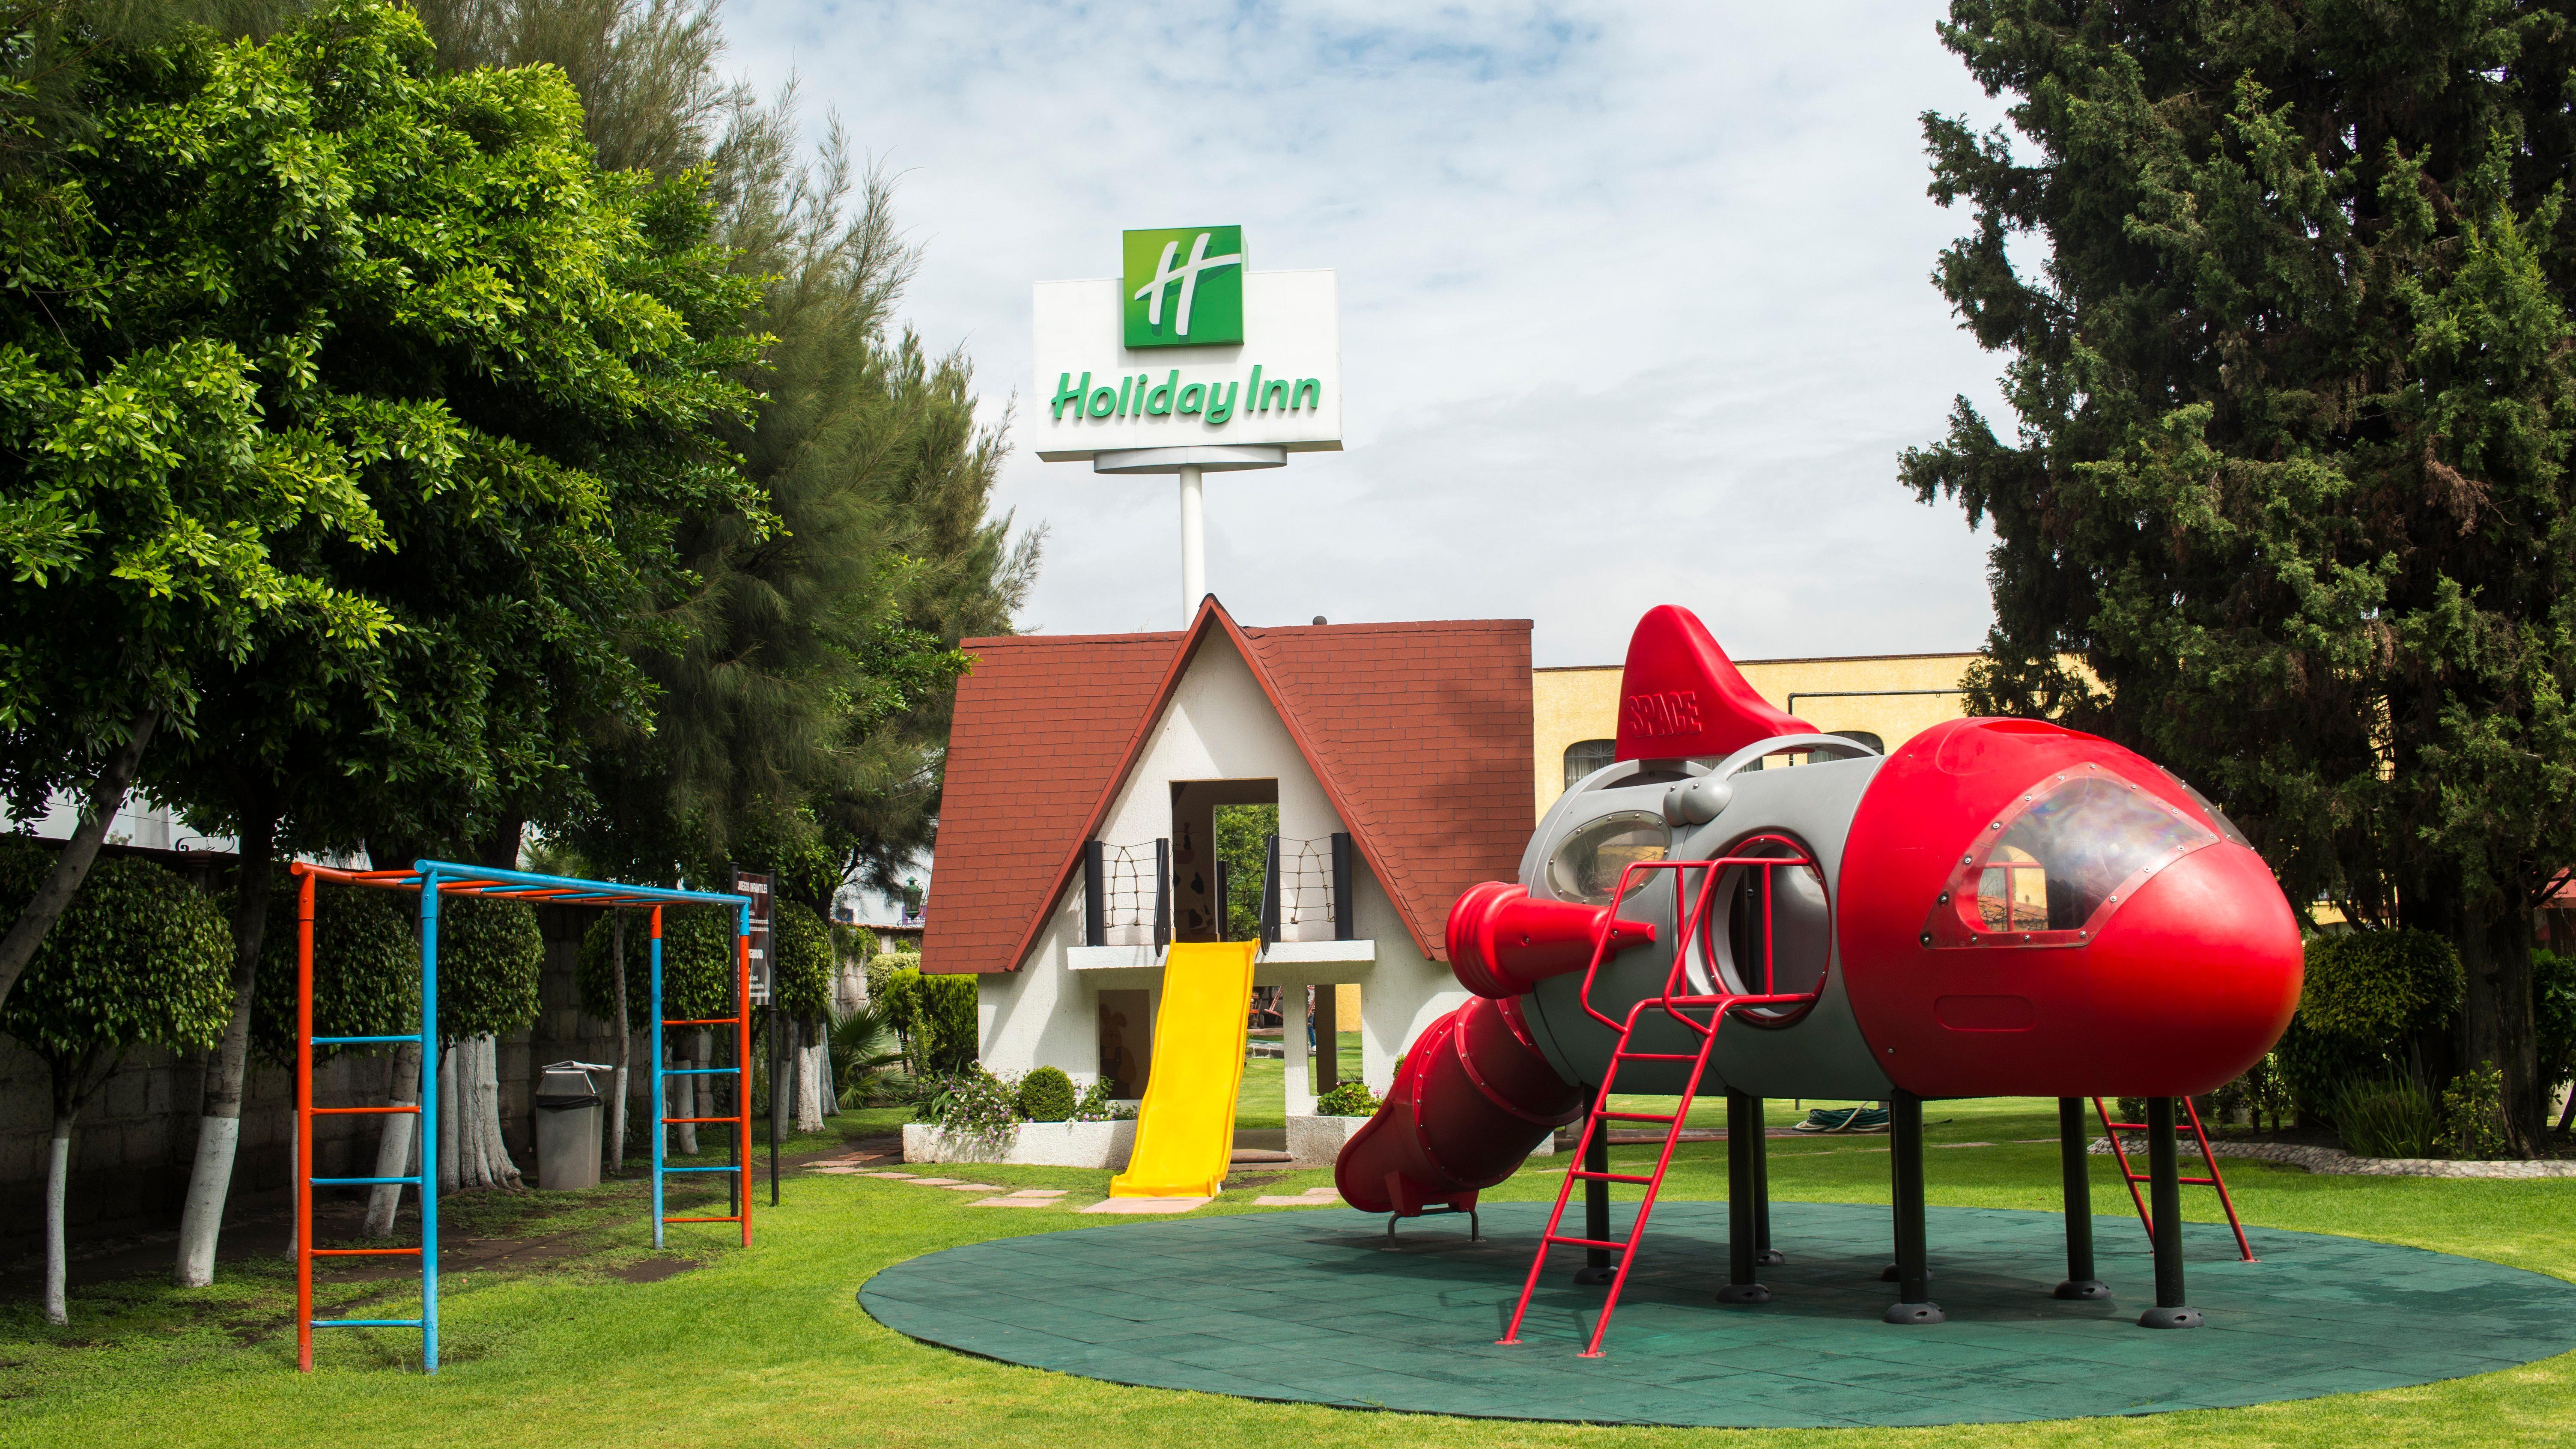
1635, 307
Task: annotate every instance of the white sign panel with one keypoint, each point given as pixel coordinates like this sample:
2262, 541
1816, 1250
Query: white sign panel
1280, 387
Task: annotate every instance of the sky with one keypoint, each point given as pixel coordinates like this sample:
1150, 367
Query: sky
1635, 297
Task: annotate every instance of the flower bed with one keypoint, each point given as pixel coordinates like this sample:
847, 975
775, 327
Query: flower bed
1026, 1144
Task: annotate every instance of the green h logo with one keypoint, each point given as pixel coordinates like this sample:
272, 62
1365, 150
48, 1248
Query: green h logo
1184, 286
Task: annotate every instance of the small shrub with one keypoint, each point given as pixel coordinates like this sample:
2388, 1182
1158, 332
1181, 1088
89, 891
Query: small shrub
936, 1016
2370, 1000
2258, 1093
972, 1103
2393, 1116
2553, 1016
1097, 1105
1046, 1095
1350, 1099
2472, 1124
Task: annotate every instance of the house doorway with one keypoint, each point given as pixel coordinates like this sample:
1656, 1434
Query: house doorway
1220, 830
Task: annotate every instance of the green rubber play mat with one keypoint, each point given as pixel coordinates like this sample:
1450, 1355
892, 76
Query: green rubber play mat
1315, 1306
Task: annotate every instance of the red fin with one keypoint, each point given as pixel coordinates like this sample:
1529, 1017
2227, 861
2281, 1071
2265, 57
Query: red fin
1680, 696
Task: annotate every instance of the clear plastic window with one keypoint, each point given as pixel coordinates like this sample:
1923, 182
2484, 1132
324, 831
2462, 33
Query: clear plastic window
1587, 866
2056, 863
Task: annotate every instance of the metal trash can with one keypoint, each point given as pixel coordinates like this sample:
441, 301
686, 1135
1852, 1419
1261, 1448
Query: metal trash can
568, 1118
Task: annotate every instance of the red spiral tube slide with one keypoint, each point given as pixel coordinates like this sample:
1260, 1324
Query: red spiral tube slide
1502, 943
1473, 1097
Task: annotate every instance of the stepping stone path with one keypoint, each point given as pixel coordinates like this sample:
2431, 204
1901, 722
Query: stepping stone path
1324, 1196
1142, 1206
1027, 1197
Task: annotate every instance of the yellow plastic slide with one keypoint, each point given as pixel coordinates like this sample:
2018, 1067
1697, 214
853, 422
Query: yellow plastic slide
1185, 1129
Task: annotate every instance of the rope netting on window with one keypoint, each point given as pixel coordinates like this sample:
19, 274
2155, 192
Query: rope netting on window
1127, 886
1305, 884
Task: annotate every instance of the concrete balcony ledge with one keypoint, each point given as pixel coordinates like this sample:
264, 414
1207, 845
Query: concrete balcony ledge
1289, 954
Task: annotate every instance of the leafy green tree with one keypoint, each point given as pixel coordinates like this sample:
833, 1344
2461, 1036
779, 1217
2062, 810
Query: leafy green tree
141, 487
460, 385
1243, 842
805, 695
141, 959
2286, 506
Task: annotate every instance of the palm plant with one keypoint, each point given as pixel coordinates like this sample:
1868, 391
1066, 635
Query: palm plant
864, 1056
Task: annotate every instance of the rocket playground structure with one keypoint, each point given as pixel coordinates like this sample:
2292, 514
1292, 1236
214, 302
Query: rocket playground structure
1994, 908
2001, 908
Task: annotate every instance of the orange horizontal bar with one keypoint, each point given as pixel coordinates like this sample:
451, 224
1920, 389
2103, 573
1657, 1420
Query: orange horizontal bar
734, 1219
681, 1121
364, 1252
708, 1021
345, 1111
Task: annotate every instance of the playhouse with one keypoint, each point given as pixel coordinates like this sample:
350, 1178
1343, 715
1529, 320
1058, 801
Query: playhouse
1077, 824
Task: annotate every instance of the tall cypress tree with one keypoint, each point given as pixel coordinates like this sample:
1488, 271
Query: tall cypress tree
2284, 286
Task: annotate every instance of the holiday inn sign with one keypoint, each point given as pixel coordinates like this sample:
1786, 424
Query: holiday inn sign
1187, 347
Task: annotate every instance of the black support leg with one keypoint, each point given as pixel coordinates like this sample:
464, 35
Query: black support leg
1597, 1268
2164, 1176
1914, 1303
1743, 1138
2073, 1138
1764, 1255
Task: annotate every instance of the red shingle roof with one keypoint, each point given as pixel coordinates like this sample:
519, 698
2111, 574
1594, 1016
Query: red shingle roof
1419, 734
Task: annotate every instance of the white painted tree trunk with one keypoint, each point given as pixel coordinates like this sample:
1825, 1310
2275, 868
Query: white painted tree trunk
447, 1133
58, 1173
682, 1094
823, 1068
394, 1145
809, 1089
615, 1147
705, 1096
201, 1217
498, 1169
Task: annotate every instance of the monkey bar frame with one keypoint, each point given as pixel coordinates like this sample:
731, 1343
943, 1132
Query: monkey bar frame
429, 880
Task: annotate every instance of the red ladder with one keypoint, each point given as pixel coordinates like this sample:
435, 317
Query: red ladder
1675, 1004
2113, 1129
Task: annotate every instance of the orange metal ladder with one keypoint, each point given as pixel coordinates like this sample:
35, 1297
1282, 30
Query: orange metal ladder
2244, 1250
1675, 1004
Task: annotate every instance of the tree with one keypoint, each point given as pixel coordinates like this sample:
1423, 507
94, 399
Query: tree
1243, 835
490, 957
802, 968
140, 486
804, 697
2288, 507
489, 374
366, 982
140, 959
699, 966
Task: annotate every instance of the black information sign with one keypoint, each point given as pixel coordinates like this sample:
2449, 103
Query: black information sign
756, 886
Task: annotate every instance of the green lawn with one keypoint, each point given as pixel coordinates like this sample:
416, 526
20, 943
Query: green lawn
1262, 1099
769, 1347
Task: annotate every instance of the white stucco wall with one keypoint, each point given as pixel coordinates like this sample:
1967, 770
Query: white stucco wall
1218, 726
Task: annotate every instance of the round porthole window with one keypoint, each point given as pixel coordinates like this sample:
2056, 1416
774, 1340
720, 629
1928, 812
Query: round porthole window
1587, 866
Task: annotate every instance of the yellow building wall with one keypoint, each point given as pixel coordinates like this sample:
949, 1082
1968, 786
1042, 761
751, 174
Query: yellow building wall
1582, 703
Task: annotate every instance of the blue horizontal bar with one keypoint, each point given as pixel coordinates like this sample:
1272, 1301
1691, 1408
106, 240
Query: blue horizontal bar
364, 1181
702, 1169
366, 1323
455, 873
347, 1040
699, 1071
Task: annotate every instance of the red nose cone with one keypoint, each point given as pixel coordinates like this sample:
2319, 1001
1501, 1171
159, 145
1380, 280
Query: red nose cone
2195, 977
2028, 911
